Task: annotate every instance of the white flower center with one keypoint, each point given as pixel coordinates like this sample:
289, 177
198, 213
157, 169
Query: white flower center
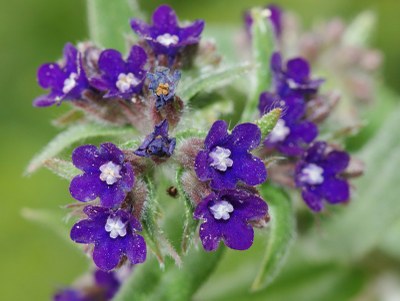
312, 174
126, 81
221, 210
279, 132
70, 83
292, 84
167, 39
116, 227
110, 173
221, 160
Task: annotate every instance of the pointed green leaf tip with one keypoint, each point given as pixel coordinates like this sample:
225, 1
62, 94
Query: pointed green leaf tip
263, 45
267, 122
281, 235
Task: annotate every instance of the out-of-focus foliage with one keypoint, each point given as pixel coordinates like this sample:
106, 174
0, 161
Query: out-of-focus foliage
33, 258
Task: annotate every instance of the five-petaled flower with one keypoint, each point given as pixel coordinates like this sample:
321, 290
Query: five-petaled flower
106, 175
318, 175
163, 85
157, 143
227, 216
226, 160
121, 78
292, 133
296, 78
114, 235
66, 80
165, 36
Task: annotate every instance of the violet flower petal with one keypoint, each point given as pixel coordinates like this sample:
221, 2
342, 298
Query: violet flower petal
86, 187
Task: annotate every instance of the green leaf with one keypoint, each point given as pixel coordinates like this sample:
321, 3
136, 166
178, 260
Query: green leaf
359, 32
390, 242
189, 133
374, 117
109, 22
375, 206
190, 224
54, 220
305, 282
71, 136
225, 39
152, 232
61, 168
141, 282
263, 46
148, 283
281, 235
267, 122
68, 118
211, 80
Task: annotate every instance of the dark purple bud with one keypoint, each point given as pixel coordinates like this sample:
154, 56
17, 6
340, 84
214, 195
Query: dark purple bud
157, 143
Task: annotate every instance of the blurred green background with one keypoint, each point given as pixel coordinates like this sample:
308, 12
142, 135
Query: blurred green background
34, 261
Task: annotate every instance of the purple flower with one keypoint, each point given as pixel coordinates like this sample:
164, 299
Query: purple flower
121, 78
69, 294
106, 175
163, 85
157, 143
114, 235
227, 215
108, 283
274, 13
318, 175
66, 81
105, 287
165, 36
226, 159
295, 78
292, 133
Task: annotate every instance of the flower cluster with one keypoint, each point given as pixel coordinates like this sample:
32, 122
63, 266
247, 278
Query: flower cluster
226, 163
217, 174
98, 81
107, 86
314, 171
113, 231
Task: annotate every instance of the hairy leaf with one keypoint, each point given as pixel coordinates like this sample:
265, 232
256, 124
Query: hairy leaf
155, 237
70, 136
267, 122
280, 238
211, 80
72, 116
148, 283
190, 225
62, 168
262, 47
54, 220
